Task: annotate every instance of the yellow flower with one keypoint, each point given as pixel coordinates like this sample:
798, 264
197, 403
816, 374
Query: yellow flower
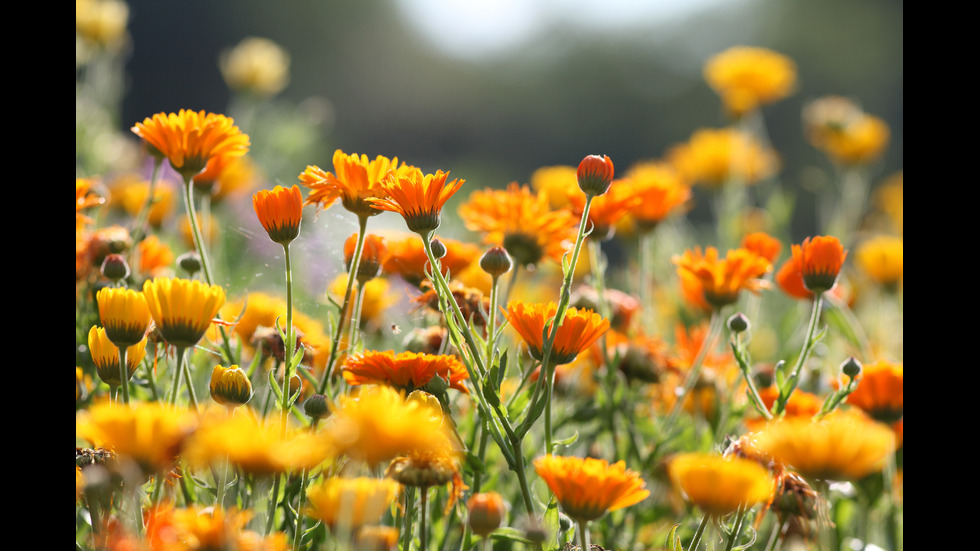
256, 65
357, 180
713, 157
101, 21
151, 434
125, 315
747, 77
589, 488
105, 356
719, 485
202, 528
351, 502
556, 182
882, 258
418, 197
842, 446
182, 308
189, 139
848, 135
889, 198
280, 211
230, 386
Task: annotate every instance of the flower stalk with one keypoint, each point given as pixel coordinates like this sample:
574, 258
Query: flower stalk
809, 341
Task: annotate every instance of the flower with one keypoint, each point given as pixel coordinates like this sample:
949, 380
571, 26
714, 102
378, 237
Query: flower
105, 356
714, 156
131, 191
356, 181
607, 209
351, 502
182, 309
125, 315
85, 198
842, 446
102, 22
660, 190
486, 512
405, 256
790, 280
747, 77
230, 386
256, 65
722, 279
406, 370
719, 485
189, 139
155, 256
556, 182
762, 244
213, 528
594, 174
588, 488
280, 211
418, 197
842, 130
819, 260
882, 258
577, 332
880, 391
151, 434
372, 255
521, 222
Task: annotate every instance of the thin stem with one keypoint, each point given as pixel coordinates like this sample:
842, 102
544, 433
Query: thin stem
739, 353
175, 386
190, 384
273, 504
139, 228
124, 375
423, 506
298, 535
407, 526
583, 528
714, 328
290, 344
492, 322
697, 535
355, 319
776, 533
646, 280
736, 529
808, 342
510, 284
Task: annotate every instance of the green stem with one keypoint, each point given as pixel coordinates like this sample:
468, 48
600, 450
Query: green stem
646, 281
175, 386
583, 528
774, 537
794, 378
273, 504
739, 353
190, 385
714, 328
290, 344
124, 374
697, 535
139, 228
298, 535
355, 319
492, 322
407, 526
736, 528
423, 506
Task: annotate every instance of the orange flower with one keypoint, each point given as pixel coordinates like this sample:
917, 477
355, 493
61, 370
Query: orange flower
606, 209
790, 280
280, 211
801, 404
418, 198
660, 190
190, 139
84, 198
880, 391
521, 222
595, 174
155, 256
589, 488
579, 330
819, 260
406, 257
722, 279
407, 370
356, 181
372, 255
763, 244
746, 77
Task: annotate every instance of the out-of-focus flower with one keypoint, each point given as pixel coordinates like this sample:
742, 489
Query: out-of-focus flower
280, 211
85, 198
790, 280
713, 157
424, 468
643, 358
377, 538
189, 139
472, 303
182, 309
124, 314
882, 258
256, 65
521, 222
102, 22
405, 256
607, 209
801, 404
763, 244
357, 179
130, 192
155, 256
106, 241
880, 391
350, 503
589, 488
595, 174
378, 297
205, 528
623, 307
105, 356
842, 446
844, 132
373, 254
406, 371
230, 386
660, 190
719, 485
890, 199
577, 332
556, 182
486, 512
747, 77
722, 279
151, 434
418, 197
209, 231
819, 259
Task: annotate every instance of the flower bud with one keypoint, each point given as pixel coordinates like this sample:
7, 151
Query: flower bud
496, 262
851, 367
595, 174
114, 267
438, 248
487, 512
190, 262
738, 323
316, 407
230, 386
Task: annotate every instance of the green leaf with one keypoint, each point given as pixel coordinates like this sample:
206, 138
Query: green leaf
502, 370
475, 464
490, 394
510, 534
552, 526
274, 386
567, 441
673, 542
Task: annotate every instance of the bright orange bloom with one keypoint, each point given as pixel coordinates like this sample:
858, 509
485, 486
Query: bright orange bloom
124, 314
84, 198
521, 222
661, 192
606, 209
719, 485
880, 391
418, 198
557, 182
763, 244
579, 330
589, 488
594, 174
190, 139
280, 211
747, 77
357, 180
819, 259
373, 253
405, 256
155, 256
790, 280
407, 371
722, 279
182, 308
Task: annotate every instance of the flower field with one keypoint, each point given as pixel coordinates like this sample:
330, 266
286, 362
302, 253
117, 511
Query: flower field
567, 360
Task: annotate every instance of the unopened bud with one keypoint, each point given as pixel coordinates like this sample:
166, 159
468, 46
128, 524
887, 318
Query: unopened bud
190, 262
851, 367
738, 323
114, 267
438, 248
595, 174
496, 262
316, 406
230, 386
487, 512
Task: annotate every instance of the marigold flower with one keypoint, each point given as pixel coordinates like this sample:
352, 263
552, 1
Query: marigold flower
557, 182
230, 386
372, 256
880, 391
151, 434
280, 211
790, 280
131, 191
763, 244
722, 279
882, 258
377, 538
660, 190
357, 179
124, 314
406, 370
521, 222
607, 209
189, 139
256, 65
819, 260
105, 356
155, 256
595, 174
426, 468
839, 128
579, 330
719, 485
405, 256
589, 488
84, 198
714, 156
351, 502
486, 512
418, 197
889, 198
182, 309
747, 77
842, 446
